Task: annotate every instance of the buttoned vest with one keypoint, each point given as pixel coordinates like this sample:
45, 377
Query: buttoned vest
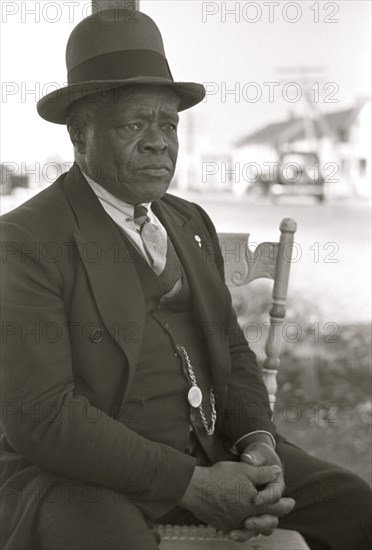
157, 398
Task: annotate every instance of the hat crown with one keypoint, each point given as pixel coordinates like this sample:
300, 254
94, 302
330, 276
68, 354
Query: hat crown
109, 31
110, 49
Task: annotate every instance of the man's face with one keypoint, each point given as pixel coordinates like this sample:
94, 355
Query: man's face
131, 143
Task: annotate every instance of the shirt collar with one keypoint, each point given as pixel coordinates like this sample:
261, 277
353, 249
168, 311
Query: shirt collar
108, 198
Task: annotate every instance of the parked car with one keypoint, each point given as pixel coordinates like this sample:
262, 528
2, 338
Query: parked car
298, 174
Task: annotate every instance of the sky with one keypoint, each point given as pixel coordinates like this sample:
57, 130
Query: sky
250, 47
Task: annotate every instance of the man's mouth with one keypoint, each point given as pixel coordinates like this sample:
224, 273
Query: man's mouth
154, 169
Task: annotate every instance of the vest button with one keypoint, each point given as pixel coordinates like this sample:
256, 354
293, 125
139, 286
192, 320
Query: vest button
166, 325
96, 335
187, 451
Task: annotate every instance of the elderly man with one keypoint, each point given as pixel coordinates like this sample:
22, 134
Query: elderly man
120, 408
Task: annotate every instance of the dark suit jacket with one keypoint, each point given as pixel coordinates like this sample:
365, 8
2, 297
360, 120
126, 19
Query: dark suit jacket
73, 314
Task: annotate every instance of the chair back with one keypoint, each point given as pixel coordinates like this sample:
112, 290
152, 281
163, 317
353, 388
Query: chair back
269, 260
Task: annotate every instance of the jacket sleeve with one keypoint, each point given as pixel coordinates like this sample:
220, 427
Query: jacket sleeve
45, 420
247, 406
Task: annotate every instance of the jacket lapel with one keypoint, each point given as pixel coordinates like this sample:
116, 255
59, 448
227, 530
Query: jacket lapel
205, 286
109, 267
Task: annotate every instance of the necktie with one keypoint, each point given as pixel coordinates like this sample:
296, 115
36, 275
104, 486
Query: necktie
164, 260
154, 240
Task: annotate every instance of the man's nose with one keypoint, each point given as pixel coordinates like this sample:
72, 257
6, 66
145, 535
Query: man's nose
153, 141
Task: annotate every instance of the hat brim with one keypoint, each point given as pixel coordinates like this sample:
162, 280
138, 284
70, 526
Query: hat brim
54, 106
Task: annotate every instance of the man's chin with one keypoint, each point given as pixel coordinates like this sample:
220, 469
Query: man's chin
155, 195
145, 190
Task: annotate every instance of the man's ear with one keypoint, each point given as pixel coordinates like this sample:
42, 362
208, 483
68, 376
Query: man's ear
76, 128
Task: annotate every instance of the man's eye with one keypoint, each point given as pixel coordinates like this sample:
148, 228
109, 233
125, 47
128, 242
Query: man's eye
168, 127
133, 126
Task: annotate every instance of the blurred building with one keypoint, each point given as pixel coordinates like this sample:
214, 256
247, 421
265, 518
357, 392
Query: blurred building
341, 139
204, 163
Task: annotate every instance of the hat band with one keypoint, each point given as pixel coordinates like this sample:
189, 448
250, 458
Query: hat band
121, 66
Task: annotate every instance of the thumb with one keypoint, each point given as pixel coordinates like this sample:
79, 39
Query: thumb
253, 458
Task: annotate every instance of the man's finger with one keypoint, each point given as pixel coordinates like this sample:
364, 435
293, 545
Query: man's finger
272, 492
261, 475
254, 458
263, 525
279, 509
257, 457
241, 535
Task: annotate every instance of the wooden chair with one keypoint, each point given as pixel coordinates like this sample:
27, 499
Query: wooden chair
271, 260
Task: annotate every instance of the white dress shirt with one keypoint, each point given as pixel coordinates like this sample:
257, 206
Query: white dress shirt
122, 214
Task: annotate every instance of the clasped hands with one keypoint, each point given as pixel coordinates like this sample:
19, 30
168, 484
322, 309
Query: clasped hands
242, 498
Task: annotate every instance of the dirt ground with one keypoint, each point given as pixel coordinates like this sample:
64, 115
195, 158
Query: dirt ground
324, 384
333, 420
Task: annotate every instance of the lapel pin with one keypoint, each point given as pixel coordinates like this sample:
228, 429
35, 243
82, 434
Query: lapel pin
198, 240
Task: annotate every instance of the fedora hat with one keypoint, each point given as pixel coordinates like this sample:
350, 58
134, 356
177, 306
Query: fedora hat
109, 49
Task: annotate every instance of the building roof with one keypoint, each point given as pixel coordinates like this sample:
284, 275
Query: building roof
337, 123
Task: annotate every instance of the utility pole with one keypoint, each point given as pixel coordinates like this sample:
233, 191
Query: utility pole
310, 78
115, 4
307, 77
